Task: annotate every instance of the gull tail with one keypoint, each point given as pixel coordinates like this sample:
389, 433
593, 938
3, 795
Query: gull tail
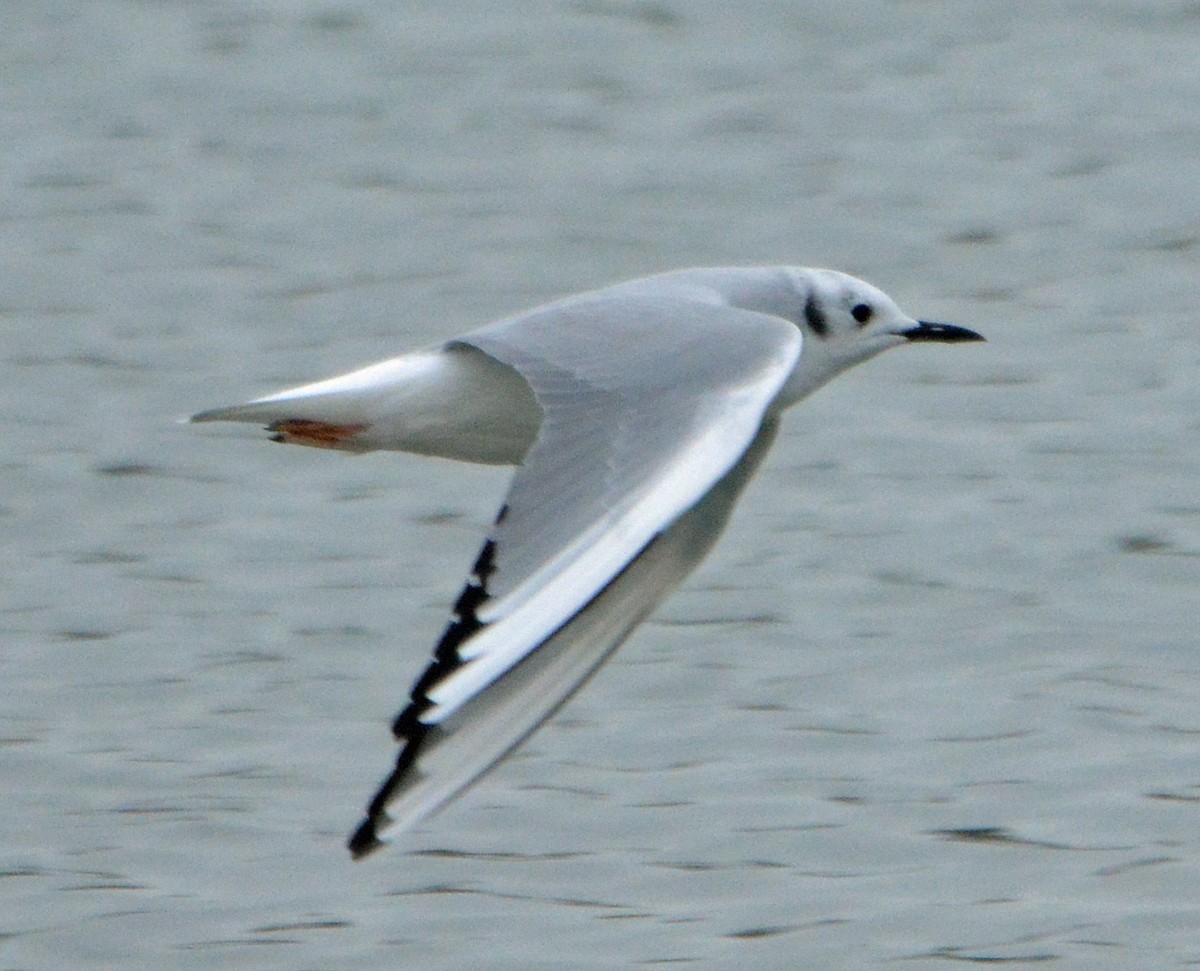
454, 402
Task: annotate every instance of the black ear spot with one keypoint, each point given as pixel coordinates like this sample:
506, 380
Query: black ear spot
815, 316
862, 312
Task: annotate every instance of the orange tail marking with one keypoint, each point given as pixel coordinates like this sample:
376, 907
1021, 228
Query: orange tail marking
318, 434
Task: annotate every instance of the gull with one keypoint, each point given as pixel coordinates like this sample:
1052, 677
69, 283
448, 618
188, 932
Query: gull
634, 415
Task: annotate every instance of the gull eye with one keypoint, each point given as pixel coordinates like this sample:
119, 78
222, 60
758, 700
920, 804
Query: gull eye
861, 312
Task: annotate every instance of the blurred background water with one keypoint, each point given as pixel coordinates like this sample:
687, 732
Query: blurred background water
934, 698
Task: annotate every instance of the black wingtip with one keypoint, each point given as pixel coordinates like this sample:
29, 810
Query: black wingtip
407, 727
364, 841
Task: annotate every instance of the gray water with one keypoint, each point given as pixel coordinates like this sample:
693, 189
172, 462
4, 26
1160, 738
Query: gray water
935, 698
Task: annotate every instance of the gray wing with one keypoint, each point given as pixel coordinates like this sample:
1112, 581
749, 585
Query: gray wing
649, 405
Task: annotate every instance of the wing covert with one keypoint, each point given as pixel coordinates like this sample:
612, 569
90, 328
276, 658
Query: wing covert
647, 403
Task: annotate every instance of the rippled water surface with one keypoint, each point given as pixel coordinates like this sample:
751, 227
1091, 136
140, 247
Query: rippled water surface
935, 698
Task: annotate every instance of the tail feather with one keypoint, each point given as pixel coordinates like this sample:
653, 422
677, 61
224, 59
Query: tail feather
456, 403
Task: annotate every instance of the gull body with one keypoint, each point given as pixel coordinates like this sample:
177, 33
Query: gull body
634, 414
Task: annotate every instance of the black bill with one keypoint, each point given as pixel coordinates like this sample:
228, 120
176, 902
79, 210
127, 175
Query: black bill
945, 333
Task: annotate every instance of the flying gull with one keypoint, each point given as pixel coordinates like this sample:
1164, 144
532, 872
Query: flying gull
634, 416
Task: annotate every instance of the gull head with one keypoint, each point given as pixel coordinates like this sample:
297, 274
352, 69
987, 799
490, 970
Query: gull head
846, 321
